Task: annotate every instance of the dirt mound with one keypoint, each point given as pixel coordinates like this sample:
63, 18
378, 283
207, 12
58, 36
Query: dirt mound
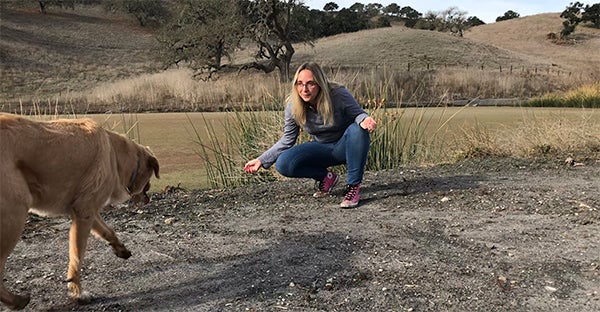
481, 235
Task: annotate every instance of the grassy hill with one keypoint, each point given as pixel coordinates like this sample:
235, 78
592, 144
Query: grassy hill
70, 50
398, 46
517, 42
526, 37
47, 57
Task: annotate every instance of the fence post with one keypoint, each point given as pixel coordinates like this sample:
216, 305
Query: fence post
500, 68
511, 69
408, 67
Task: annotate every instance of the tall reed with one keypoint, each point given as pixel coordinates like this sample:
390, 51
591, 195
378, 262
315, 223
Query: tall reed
399, 140
246, 135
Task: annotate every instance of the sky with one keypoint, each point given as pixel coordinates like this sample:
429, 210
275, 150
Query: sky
486, 10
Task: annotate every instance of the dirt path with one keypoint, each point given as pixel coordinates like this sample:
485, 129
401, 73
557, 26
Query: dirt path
483, 235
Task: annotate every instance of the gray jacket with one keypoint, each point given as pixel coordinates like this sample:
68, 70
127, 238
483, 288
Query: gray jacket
346, 111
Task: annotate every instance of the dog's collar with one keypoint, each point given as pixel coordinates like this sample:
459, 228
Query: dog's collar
133, 177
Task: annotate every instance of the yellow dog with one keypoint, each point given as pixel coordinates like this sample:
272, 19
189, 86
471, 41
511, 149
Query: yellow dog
66, 167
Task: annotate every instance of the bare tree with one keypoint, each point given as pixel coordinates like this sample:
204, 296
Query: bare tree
275, 26
451, 19
454, 20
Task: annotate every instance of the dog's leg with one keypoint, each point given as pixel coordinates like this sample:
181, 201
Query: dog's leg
102, 230
78, 236
12, 223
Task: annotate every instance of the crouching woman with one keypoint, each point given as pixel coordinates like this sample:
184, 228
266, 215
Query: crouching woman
339, 128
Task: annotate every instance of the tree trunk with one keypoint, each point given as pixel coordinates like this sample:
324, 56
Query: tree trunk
42, 7
286, 74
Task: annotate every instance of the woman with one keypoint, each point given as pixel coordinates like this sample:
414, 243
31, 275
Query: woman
338, 126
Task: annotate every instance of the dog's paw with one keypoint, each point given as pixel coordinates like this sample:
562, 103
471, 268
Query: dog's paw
74, 288
85, 298
19, 302
123, 253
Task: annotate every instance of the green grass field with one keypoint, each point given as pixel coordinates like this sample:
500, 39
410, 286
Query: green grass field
172, 138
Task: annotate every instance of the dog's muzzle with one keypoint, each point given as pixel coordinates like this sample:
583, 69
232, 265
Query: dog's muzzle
142, 198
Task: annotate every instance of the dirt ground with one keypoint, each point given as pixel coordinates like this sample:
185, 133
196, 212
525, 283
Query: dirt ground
481, 235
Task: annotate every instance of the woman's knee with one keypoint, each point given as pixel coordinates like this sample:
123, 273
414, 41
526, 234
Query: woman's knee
354, 131
284, 165
282, 168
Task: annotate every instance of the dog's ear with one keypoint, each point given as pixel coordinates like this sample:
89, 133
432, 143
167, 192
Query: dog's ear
153, 163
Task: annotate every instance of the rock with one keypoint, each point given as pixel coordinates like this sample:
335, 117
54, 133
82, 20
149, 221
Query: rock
570, 161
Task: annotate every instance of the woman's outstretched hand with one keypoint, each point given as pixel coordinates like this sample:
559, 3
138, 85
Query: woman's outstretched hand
252, 166
368, 124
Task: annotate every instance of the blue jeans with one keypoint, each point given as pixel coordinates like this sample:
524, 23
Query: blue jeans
311, 159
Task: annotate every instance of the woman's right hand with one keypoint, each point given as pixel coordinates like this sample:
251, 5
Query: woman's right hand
252, 166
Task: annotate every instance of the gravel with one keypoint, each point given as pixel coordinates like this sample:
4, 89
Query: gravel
497, 234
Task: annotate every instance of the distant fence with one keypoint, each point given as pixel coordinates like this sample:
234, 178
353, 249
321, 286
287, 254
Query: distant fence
510, 69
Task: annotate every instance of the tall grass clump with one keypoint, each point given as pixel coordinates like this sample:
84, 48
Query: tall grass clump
246, 135
404, 137
587, 95
127, 124
400, 139
555, 136
476, 141
536, 137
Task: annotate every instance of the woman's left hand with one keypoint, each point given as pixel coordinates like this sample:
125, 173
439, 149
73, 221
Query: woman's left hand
368, 124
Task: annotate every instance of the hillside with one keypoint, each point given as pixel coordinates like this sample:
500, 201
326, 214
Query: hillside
516, 42
70, 50
64, 52
526, 37
397, 46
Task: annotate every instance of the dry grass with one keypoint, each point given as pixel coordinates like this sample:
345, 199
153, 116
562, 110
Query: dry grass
87, 60
51, 56
398, 46
527, 37
555, 136
176, 90
529, 133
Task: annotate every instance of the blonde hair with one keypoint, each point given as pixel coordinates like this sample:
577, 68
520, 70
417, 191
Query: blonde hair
324, 102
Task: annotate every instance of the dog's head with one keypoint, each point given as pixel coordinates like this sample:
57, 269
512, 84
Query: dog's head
139, 183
